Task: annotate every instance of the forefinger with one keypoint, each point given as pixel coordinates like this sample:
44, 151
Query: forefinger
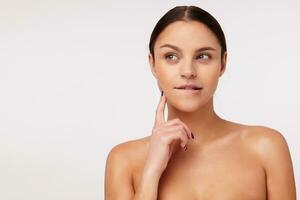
159, 116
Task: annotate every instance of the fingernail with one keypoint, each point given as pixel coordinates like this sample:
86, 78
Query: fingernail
193, 135
185, 148
162, 92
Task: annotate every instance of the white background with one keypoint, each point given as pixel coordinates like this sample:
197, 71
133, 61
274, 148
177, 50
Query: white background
75, 81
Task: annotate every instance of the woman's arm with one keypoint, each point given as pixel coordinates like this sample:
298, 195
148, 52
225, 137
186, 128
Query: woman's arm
118, 178
118, 175
148, 187
275, 156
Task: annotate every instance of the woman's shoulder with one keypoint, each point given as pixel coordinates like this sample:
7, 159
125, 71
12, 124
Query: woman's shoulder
265, 142
261, 134
252, 132
130, 146
121, 162
129, 152
272, 150
259, 138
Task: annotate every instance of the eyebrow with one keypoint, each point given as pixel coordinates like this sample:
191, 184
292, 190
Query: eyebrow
178, 49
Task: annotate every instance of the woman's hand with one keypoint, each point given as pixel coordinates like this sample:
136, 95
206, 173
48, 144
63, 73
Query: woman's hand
164, 140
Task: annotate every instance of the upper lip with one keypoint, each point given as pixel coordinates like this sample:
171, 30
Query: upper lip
188, 86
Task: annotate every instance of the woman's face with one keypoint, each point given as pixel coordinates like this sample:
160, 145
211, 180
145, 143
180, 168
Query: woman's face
187, 53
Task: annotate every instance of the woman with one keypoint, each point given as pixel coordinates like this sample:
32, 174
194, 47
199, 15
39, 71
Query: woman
195, 154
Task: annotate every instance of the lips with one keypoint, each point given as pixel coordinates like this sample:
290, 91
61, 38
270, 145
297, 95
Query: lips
189, 87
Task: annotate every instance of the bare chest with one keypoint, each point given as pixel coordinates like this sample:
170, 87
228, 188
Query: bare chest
228, 172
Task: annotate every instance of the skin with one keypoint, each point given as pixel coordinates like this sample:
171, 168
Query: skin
225, 160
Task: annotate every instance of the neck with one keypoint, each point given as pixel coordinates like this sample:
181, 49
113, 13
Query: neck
202, 122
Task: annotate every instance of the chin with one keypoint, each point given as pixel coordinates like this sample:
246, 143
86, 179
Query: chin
187, 105
188, 109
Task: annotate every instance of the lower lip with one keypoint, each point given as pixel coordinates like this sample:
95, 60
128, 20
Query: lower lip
190, 91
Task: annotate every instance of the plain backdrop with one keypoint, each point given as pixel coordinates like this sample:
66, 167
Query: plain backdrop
75, 81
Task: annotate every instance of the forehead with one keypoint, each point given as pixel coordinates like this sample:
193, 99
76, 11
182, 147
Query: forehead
187, 35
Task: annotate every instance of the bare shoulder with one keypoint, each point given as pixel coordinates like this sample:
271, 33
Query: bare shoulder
272, 150
127, 153
266, 142
265, 139
129, 149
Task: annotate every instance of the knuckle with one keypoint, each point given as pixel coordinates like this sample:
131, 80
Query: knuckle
182, 131
185, 136
182, 128
176, 127
171, 121
179, 129
177, 120
178, 134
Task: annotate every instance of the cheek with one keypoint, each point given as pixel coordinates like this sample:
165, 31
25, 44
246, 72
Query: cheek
210, 76
165, 74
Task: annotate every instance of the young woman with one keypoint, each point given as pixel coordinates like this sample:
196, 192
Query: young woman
195, 154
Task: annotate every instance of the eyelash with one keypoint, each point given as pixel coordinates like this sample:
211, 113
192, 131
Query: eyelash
205, 54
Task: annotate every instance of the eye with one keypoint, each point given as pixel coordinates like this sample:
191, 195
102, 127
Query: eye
171, 57
204, 56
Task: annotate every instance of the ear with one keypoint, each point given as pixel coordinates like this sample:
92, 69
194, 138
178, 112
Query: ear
153, 70
151, 63
223, 64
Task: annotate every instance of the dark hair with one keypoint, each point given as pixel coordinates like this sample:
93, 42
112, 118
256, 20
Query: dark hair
188, 13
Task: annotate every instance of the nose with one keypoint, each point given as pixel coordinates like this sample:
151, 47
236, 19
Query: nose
188, 71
